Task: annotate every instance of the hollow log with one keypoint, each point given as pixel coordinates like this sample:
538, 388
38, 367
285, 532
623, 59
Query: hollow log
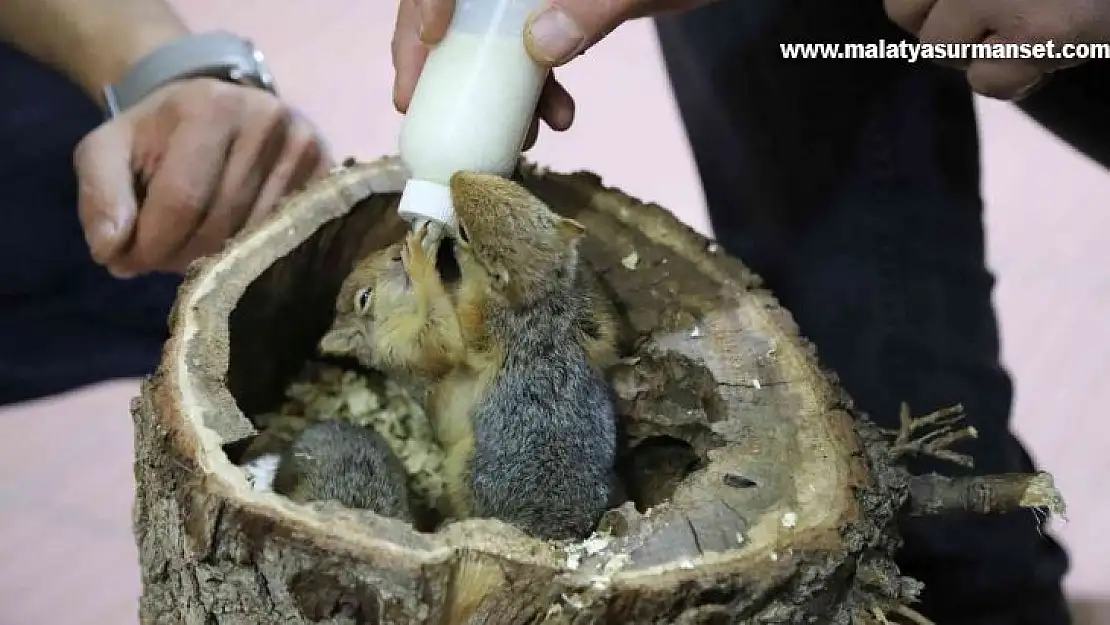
757, 494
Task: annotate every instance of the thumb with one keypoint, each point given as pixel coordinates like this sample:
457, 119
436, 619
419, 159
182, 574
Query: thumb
106, 201
565, 28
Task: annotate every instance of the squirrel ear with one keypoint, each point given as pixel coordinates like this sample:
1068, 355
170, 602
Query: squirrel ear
570, 229
340, 340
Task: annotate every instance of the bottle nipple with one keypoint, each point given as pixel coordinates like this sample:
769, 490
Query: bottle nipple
422, 200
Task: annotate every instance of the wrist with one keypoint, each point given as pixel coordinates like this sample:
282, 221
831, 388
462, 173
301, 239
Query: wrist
112, 62
92, 42
219, 54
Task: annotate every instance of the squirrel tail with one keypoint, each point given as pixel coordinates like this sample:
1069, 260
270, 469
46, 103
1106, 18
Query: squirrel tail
474, 579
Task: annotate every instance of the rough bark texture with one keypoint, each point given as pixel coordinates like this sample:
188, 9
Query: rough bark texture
766, 500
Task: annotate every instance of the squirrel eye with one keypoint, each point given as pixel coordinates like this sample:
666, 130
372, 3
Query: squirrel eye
362, 301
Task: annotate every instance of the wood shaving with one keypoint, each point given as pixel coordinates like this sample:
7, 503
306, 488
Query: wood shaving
615, 564
595, 544
591, 546
631, 261
573, 601
574, 560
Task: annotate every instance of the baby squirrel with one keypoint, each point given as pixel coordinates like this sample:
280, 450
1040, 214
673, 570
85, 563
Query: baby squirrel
394, 313
539, 446
337, 461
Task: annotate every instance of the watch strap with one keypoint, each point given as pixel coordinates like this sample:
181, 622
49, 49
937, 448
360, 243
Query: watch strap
218, 54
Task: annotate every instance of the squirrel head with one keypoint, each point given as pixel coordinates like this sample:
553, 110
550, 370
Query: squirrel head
525, 249
377, 287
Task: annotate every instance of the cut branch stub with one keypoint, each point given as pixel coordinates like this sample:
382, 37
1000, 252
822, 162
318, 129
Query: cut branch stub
754, 497
984, 494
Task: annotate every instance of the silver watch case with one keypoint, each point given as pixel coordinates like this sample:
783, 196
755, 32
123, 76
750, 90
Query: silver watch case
219, 54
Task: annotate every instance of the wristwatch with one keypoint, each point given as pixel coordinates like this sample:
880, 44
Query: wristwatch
219, 54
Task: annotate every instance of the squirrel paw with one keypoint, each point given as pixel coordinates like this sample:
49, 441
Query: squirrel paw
261, 472
431, 234
419, 250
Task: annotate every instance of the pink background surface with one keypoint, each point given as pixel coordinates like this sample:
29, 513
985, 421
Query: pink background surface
66, 552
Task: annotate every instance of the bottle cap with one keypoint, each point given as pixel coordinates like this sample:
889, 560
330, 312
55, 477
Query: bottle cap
423, 200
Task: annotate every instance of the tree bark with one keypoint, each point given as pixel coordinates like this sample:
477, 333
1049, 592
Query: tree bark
761, 496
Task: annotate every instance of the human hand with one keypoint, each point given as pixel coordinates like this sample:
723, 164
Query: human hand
1005, 21
561, 31
422, 24
195, 162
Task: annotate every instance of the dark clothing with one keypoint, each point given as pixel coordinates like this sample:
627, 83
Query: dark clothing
852, 187
64, 321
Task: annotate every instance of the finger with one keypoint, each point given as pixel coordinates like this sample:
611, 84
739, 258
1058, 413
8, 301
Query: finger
1004, 79
327, 156
435, 17
106, 202
566, 28
252, 154
533, 134
302, 160
556, 105
180, 193
953, 21
408, 52
909, 14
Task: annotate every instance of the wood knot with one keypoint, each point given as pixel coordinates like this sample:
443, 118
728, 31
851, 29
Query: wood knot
321, 596
687, 388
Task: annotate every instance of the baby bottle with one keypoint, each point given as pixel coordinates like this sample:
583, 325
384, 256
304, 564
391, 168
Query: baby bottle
471, 107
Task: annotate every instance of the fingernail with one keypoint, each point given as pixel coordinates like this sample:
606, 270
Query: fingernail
1029, 90
555, 37
121, 274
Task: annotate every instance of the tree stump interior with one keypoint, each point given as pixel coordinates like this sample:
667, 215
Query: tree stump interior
757, 495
